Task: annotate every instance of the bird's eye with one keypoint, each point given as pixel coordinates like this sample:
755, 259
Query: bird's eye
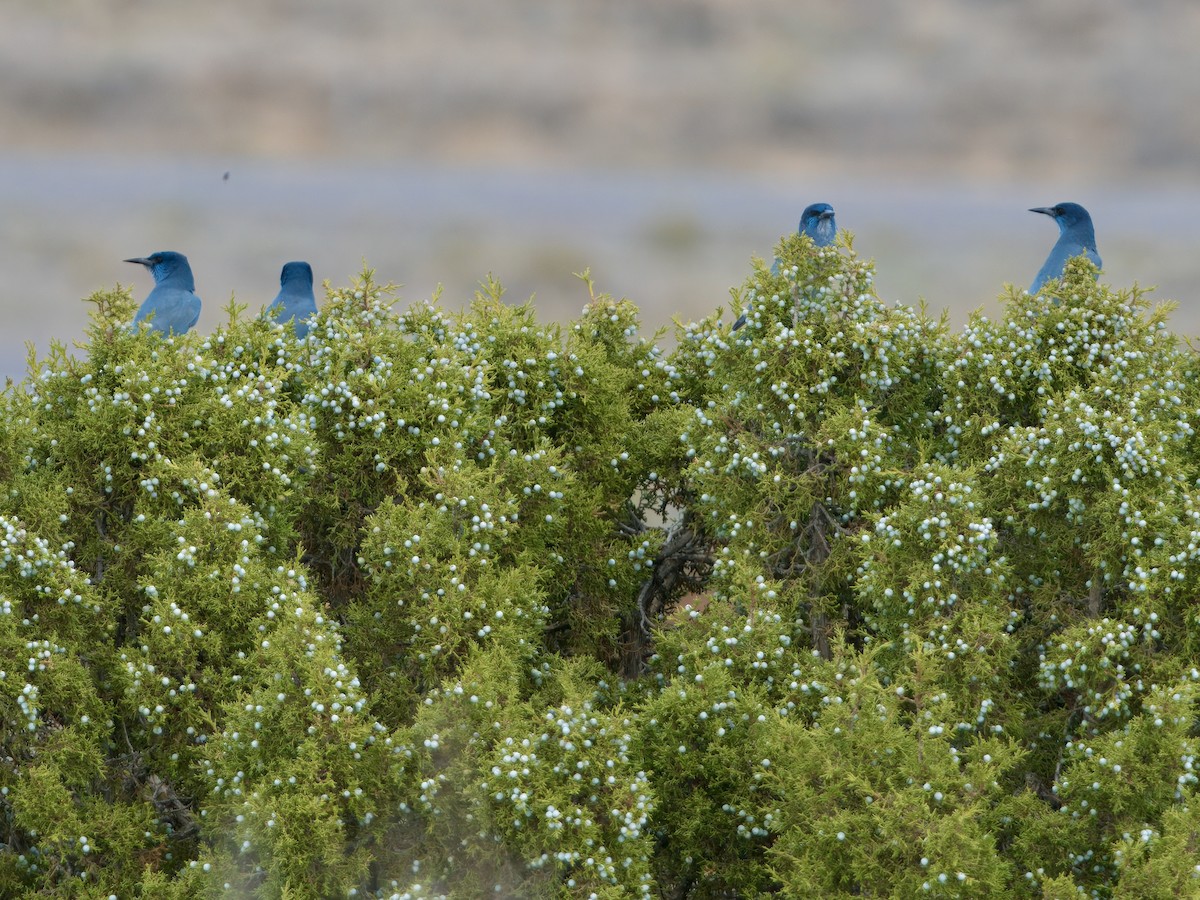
1058, 210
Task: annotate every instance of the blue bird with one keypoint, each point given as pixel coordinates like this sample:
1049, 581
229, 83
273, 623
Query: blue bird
1075, 236
818, 223
172, 306
295, 300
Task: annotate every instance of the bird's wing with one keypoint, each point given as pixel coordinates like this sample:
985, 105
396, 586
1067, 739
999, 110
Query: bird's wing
1053, 266
1057, 261
173, 310
195, 313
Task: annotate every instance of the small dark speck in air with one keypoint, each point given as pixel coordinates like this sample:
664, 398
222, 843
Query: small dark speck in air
225, 177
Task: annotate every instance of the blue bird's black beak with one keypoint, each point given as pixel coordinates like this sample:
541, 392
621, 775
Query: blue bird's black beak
140, 262
1044, 210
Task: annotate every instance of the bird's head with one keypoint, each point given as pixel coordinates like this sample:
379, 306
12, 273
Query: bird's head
166, 264
1067, 215
296, 273
817, 222
815, 212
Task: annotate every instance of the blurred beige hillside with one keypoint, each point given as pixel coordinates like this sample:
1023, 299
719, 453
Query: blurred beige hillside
979, 88
661, 142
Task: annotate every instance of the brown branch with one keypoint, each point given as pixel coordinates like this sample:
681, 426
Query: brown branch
679, 565
1096, 594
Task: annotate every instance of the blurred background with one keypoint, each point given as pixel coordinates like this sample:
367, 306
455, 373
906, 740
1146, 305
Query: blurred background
661, 144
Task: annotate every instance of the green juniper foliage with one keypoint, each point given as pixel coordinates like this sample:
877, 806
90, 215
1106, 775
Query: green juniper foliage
432, 604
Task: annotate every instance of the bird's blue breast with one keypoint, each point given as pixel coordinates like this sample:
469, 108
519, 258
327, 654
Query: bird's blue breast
823, 232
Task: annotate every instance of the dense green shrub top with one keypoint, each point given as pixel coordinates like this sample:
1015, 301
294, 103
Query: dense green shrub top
843, 603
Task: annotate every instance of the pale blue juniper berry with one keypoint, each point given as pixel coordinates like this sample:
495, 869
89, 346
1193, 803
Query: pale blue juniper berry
1075, 236
295, 300
818, 223
172, 306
